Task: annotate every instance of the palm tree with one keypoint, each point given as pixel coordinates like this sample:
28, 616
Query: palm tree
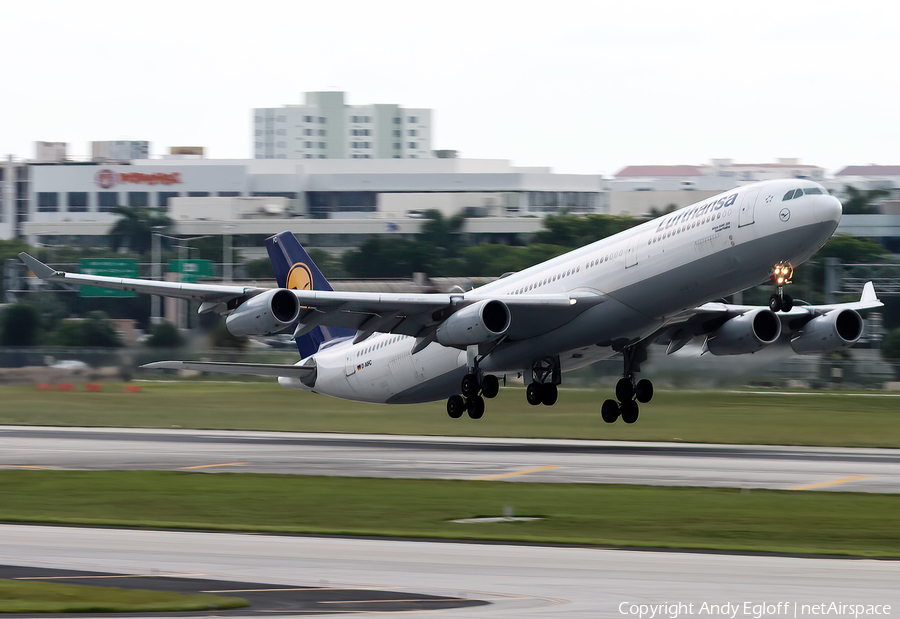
135, 227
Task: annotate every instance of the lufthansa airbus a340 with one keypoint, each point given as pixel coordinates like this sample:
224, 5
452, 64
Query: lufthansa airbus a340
652, 284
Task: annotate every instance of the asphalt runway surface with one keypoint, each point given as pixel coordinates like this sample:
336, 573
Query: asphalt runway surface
509, 581
264, 598
533, 460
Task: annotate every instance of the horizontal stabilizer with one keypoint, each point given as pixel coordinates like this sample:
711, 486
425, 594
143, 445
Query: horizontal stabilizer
244, 369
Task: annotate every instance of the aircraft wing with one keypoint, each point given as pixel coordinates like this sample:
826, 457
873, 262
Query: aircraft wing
193, 292
416, 315
245, 369
680, 329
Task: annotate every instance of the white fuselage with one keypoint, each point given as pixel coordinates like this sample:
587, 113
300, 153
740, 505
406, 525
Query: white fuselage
653, 271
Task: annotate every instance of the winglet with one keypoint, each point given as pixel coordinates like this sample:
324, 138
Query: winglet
868, 293
39, 268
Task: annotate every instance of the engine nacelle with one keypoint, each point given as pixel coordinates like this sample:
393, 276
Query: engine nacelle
478, 323
265, 314
746, 333
829, 332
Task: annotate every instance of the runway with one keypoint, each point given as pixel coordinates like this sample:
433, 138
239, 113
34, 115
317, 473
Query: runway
533, 460
519, 582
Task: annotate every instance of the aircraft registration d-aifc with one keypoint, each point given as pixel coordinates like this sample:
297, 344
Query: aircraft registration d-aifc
653, 284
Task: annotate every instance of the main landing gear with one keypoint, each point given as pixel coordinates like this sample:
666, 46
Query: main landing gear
781, 277
545, 378
628, 392
475, 388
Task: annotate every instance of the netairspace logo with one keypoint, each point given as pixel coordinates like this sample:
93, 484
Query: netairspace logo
756, 610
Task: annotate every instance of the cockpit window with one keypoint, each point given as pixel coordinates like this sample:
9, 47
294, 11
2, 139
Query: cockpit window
812, 190
790, 195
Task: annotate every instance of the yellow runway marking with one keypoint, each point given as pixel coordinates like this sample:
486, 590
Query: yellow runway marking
209, 466
515, 474
825, 484
25, 466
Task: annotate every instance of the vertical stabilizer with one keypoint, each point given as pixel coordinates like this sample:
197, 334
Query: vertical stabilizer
295, 269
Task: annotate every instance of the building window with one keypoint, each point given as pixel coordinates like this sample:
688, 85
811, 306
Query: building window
412, 132
322, 157
321, 120
229, 194
307, 119
307, 156
321, 144
307, 145
162, 198
108, 201
48, 202
396, 121
413, 119
396, 146
396, 133
198, 194
412, 145
138, 198
322, 132
77, 201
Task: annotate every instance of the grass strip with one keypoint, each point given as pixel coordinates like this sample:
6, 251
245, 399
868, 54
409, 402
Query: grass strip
819, 418
18, 596
840, 523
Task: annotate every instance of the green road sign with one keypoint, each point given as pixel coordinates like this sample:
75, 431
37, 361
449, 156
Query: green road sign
192, 271
110, 267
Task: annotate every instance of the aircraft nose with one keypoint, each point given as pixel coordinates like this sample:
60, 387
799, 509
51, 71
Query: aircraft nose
828, 208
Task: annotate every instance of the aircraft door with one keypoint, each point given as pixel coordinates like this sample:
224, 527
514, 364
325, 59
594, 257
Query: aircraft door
631, 250
350, 367
748, 208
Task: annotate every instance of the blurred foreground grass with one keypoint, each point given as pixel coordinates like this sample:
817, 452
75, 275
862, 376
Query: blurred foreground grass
17, 596
839, 523
760, 417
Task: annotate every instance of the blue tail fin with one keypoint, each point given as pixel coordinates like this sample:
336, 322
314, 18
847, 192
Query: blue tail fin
295, 269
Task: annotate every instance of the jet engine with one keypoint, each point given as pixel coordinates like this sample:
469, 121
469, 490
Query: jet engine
478, 323
829, 332
747, 333
265, 314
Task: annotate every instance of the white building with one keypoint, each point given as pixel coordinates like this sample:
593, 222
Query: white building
50, 152
326, 128
327, 203
120, 150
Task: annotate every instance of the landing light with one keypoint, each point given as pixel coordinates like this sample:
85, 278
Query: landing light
782, 273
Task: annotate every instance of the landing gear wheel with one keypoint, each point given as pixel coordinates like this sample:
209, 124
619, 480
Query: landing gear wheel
455, 406
609, 411
643, 391
469, 386
624, 389
475, 407
775, 303
533, 393
787, 303
549, 395
630, 411
490, 386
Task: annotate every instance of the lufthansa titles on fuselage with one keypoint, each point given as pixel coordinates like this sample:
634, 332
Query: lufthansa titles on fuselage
697, 211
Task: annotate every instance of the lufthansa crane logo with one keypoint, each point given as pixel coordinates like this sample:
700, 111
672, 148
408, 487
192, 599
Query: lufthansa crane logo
785, 214
300, 277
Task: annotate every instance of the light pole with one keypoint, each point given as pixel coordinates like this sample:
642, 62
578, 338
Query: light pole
155, 315
227, 272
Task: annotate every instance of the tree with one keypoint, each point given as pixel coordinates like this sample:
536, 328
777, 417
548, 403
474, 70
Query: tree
19, 325
573, 231
165, 335
859, 202
95, 331
890, 348
134, 229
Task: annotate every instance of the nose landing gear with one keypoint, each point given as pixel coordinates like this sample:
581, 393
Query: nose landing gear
781, 276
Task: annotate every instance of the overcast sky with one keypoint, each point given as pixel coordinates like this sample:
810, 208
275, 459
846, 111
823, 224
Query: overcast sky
582, 87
